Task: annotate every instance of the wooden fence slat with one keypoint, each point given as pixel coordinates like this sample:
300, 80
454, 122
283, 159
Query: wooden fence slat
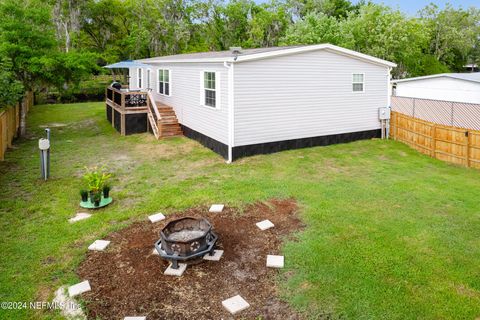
452, 144
9, 123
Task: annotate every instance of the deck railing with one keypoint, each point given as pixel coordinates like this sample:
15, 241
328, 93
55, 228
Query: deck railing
126, 99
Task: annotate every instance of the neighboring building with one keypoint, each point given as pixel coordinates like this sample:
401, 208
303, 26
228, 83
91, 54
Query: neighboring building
457, 87
471, 67
249, 101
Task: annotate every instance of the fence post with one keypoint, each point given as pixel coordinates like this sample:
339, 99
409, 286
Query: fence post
467, 133
434, 141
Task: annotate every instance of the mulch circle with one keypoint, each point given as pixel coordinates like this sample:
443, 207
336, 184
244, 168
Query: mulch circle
128, 280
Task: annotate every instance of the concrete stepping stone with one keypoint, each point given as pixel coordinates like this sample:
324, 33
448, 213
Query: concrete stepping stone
217, 208
79, 288
235, 304
155, 252
79, 216
156, 217
99, 245
275, 261
217, 254
70, 309
265, 224
176, 272
135, 318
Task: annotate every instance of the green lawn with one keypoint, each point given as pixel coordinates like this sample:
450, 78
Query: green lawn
391, 234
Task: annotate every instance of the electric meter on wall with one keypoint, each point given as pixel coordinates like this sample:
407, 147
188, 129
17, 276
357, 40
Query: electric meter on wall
384, 113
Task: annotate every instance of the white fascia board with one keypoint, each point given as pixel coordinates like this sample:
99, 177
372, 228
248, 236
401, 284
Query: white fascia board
277, 53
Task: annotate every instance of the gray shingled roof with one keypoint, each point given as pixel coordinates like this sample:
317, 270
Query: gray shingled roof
214, 54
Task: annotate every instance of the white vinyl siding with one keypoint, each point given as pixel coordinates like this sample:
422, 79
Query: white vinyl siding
164, 86
305, 95
358, 82
185, 99
441, 88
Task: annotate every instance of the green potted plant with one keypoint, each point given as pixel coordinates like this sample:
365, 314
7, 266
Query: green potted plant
84, 195
97, 197
106, 191
96, 179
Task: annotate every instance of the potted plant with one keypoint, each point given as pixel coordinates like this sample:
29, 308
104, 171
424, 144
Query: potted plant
96, 180
97, 198
84, 195
106, 191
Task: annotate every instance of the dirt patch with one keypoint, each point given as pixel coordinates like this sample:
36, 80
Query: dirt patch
128, 279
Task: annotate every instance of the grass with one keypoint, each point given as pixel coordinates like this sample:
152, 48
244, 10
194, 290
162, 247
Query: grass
391, 234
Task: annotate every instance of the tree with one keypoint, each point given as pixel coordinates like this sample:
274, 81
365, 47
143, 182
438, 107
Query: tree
268, 23
29, 53
315, 28
12, 89
453, 33
26, 39
391, 36
331, 8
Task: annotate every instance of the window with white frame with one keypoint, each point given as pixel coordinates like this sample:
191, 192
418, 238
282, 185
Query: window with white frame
209, 91
358, 82
148, 78
140, 77
164, 82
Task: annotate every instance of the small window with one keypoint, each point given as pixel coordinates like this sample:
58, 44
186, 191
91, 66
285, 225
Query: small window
164, 82
209, 89
358, 82
140, 76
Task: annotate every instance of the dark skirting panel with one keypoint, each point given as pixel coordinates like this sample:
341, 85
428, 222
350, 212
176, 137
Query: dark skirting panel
216, 146
270, 147
135, 123
109, 113
117, 120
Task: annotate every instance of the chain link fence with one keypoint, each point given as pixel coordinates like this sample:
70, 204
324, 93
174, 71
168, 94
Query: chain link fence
456, 114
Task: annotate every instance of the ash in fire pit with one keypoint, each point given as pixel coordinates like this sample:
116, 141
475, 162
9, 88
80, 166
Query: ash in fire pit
186, 238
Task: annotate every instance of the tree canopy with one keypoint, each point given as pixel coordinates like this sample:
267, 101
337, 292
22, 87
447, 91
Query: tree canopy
60, 42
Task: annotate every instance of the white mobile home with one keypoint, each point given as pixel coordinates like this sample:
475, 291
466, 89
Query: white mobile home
248, 101
457, 87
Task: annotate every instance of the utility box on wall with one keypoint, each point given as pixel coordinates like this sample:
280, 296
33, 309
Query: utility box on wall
384, 113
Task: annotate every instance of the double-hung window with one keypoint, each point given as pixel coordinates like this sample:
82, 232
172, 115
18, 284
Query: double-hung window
140, 77
209, 89
164, 82
358, 82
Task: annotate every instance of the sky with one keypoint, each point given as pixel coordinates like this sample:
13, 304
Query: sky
412, 6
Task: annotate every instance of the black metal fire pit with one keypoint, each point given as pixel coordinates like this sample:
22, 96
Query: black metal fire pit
186, 238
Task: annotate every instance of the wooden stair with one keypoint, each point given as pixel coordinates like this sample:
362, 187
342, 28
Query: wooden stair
162, 119
168, 125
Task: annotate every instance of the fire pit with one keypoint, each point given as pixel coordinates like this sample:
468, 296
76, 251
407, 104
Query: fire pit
186, 238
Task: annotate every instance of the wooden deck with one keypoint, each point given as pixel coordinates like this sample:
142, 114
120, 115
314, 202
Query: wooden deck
136, 111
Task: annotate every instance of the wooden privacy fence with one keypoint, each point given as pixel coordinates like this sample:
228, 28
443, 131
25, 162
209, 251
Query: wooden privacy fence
453, 144
9, 123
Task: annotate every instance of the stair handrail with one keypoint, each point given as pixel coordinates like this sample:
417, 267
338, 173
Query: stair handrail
153, 105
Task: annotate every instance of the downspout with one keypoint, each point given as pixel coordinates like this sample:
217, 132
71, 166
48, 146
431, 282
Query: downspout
231, 118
